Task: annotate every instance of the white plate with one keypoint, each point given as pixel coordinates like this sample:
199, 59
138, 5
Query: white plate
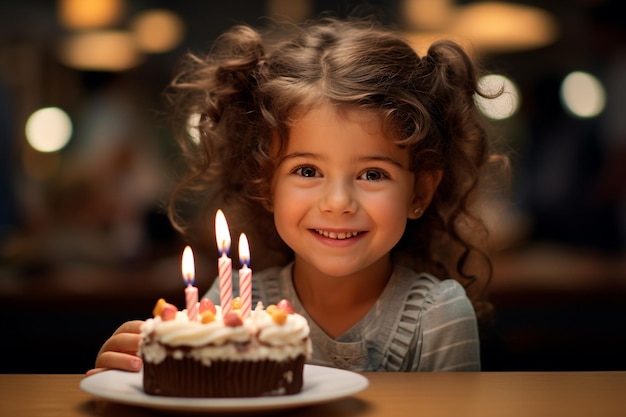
321, 384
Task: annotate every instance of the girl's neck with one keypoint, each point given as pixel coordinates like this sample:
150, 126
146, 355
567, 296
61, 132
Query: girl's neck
336, 303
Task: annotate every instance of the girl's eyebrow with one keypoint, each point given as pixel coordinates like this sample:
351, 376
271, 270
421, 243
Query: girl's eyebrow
372, 158
294, 155
380, 158
301, 155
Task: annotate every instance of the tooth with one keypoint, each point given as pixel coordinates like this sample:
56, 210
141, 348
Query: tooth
335, 235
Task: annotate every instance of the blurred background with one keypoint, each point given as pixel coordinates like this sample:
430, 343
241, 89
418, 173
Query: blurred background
84, 157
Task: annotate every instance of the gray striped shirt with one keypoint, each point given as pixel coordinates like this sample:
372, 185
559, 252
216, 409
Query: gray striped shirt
419, 323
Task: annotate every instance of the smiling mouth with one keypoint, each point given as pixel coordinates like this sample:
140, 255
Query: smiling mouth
335, 235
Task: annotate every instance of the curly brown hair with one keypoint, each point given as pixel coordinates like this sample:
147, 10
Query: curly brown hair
247, 93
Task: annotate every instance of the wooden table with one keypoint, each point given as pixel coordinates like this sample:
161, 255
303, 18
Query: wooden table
501, 394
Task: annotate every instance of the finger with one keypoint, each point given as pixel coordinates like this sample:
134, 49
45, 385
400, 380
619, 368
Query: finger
94, 371
122, 343
133, 326
117, 360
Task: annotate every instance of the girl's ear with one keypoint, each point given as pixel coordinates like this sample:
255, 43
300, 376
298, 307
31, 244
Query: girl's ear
425, 186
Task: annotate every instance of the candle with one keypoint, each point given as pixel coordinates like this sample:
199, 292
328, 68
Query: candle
224, 264
191, 292
245, 276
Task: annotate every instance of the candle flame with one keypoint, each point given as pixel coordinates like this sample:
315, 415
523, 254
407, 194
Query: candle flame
222, 234
188, 266
244, 249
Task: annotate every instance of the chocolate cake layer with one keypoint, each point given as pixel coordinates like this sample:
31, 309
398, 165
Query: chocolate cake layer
188, 377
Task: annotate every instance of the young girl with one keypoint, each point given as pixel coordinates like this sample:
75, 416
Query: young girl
356, 162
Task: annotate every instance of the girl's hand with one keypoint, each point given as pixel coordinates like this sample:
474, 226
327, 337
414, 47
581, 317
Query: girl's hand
120, 350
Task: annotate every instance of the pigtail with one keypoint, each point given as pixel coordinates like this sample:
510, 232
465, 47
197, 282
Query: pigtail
463, 143
235, 56
218, 91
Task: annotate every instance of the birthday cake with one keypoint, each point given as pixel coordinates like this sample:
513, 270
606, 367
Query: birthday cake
210, 354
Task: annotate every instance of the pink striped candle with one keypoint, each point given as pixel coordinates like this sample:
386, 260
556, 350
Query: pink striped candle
224, 263
245, 276
191, 292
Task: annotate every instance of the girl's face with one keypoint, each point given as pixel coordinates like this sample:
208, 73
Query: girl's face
342, 192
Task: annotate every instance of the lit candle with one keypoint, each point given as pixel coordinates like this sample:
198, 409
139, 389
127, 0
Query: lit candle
224, 264
191, 292
245, 276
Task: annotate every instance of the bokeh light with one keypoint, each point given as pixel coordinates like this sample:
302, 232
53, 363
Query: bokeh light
192, 127
583, 95
90, 14
104, 50
502, 106
48, 129
158, 30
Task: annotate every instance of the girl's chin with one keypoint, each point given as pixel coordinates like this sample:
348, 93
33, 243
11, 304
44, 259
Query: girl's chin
337, 268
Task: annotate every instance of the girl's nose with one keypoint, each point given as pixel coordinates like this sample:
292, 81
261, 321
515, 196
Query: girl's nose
339, 197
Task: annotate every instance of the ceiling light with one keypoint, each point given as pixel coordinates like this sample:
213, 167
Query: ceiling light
90, 14
158, 30
101, 51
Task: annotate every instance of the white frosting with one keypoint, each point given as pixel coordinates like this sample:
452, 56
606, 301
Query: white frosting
294, 329
258, 338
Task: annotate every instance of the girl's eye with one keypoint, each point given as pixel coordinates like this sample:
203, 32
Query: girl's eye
373, 175
306, 171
